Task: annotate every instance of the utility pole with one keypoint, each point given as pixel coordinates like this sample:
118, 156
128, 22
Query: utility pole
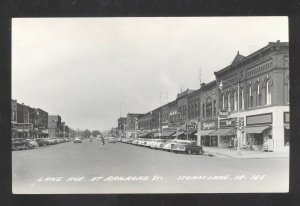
200, 76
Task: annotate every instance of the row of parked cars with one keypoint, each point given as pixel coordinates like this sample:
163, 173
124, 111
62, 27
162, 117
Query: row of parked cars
22, 143
173, 145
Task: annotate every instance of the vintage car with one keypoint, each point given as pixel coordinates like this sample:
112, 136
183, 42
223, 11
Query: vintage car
112, 140
189, 147
40, 141
77, 140
158, 144
20, 143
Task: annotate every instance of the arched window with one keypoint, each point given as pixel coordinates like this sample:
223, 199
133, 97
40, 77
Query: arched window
209, 107
215, 108
268, 93
235, 100
258, 97
250, 97
228, 104
223, 101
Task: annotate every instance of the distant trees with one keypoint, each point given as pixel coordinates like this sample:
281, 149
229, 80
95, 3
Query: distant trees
95, 133
87, 133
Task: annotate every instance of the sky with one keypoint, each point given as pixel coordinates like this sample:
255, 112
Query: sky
92, 70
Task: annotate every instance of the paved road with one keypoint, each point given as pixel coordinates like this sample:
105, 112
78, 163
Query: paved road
49, 169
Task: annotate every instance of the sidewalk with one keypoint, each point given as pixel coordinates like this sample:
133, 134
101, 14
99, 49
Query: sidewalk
226, 152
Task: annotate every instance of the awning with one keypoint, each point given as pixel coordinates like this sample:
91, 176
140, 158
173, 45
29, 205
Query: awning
287, 125
144, 135
256, 130
177, 134
167, 133
204, 132
192, 131
223, 132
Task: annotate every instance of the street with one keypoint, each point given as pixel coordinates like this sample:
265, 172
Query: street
88, 167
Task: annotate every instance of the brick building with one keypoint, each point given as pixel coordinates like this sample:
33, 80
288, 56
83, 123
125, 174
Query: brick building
256, 93
54, 126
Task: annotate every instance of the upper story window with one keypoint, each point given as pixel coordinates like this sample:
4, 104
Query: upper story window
258, 98
223, 101
235, 101
250, 97
215, 108
228, 104
209, 107
268, 92
243, 99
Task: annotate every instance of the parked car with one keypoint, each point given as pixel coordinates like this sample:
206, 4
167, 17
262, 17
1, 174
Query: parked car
167, 145
32, 142
40, 141
112, 140
20, 143
158, 144
77, 140
188, 147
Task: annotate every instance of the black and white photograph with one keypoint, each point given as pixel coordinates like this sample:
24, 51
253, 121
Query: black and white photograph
143, 105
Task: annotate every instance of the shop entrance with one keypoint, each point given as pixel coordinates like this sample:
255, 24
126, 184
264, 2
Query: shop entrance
255, 141
209, 141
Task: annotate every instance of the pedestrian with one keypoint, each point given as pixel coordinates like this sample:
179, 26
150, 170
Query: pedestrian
102, 141
235, 142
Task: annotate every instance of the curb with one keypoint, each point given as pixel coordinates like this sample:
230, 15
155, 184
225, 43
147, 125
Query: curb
215, 154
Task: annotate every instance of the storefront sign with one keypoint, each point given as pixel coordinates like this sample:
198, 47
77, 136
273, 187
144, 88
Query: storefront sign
228, 122
191, 125
209, 125
22, 125
223, 114
259, 119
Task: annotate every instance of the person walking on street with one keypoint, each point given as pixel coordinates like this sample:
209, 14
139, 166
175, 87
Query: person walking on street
103, 141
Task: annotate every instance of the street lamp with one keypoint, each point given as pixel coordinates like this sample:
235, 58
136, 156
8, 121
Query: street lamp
238, 111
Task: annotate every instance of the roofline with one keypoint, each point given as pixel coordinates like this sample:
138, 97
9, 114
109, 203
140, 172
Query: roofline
270, 45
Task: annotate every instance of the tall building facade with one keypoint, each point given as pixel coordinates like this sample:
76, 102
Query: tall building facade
54, 126
255, 92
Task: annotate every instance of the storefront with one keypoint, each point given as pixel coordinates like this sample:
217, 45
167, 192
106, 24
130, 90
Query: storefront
167, 134
226, 133
203, 133
286, 122
179, 135
191, 134
258, 132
